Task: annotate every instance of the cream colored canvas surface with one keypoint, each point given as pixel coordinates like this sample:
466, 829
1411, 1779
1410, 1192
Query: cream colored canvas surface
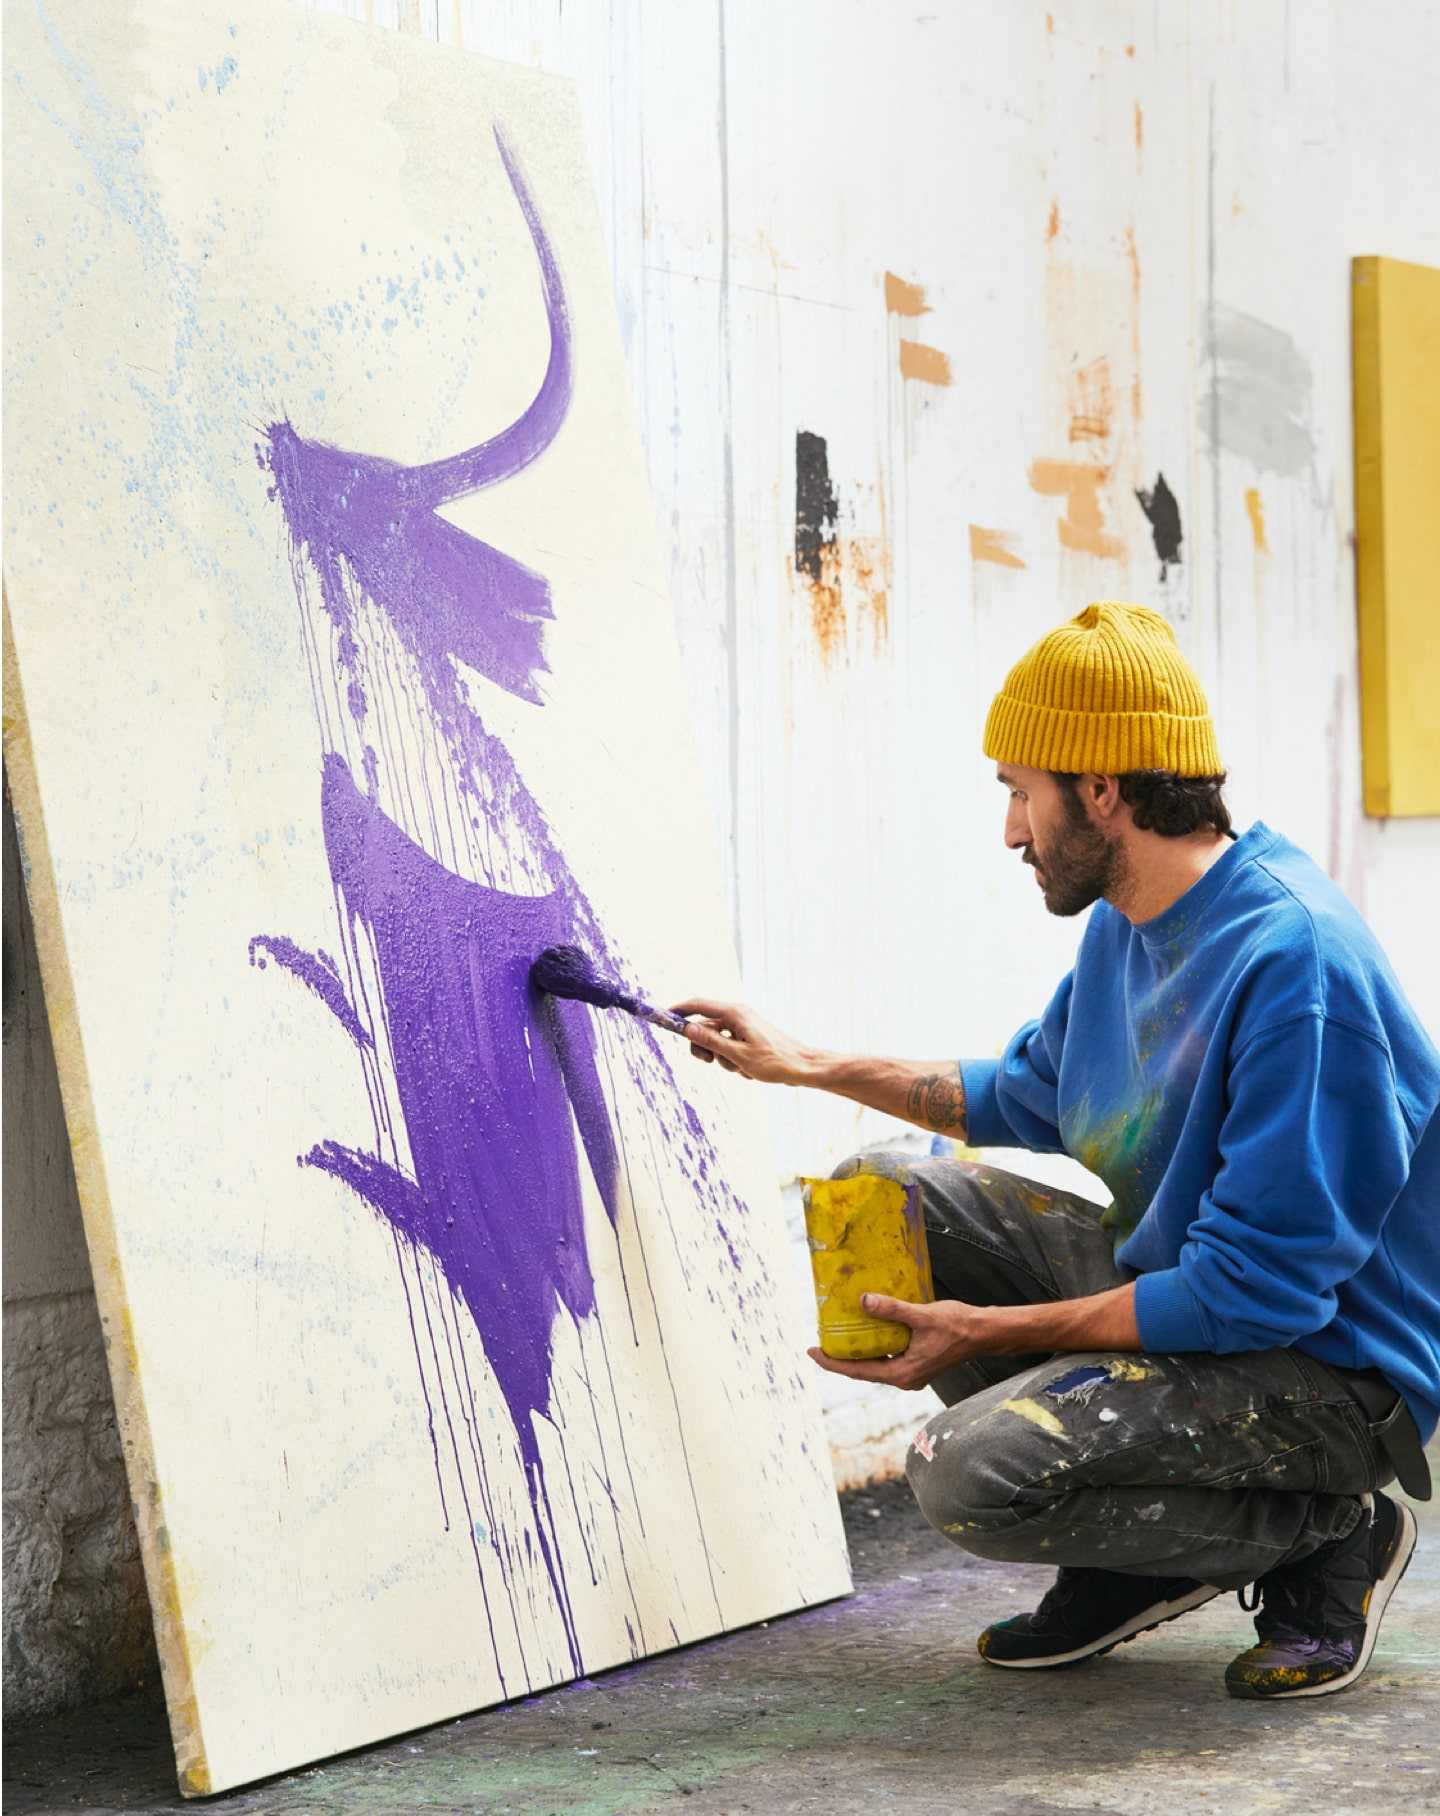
455, 1342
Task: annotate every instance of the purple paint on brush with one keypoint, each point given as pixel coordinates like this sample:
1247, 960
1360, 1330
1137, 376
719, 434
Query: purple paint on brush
566, 971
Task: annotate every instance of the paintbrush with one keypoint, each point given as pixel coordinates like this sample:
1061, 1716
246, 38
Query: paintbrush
567, 971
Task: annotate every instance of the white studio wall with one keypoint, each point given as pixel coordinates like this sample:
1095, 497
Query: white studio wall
1014, 267
1009, 265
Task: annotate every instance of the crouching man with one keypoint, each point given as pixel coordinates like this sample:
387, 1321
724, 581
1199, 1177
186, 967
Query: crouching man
1208, 1383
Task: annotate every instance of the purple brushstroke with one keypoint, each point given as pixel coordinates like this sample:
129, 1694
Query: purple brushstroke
317, 971
487, 1073
495, 1193
372, 525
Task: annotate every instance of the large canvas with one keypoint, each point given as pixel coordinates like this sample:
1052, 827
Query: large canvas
454, 1338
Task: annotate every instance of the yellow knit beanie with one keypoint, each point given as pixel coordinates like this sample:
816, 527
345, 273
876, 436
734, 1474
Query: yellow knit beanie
1106, 693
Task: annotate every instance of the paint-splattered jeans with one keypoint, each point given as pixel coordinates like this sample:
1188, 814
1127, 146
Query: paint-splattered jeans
1213, 1467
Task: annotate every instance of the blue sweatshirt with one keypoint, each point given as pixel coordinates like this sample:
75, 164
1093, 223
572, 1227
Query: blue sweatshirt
1248, 1079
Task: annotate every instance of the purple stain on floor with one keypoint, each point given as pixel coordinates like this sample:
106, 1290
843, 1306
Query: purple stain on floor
448, 882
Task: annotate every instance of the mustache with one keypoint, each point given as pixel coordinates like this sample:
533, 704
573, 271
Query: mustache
1028, 857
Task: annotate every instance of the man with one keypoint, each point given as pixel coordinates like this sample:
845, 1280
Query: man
1205, 1385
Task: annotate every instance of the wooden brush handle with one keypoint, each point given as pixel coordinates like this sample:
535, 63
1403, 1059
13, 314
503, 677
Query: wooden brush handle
660, 1018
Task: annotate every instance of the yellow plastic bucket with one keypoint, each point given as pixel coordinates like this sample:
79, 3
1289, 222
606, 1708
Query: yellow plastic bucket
866, 1235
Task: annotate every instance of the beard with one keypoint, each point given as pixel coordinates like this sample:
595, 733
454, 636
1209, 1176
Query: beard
1080, 864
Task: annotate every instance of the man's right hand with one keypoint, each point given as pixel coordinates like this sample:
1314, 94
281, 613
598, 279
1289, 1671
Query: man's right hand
743, 1043
931, 1094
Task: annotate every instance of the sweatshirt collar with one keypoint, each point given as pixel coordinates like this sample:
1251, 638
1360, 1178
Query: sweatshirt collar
1182, 915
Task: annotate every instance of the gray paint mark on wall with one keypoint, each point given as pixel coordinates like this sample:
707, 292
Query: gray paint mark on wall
1258, 400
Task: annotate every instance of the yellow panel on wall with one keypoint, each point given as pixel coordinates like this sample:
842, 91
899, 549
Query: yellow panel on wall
1397, 483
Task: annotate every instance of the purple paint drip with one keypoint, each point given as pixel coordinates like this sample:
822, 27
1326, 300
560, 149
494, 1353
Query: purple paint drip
487, 1072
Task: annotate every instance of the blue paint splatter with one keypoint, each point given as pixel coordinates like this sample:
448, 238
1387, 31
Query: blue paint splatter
1075, 1380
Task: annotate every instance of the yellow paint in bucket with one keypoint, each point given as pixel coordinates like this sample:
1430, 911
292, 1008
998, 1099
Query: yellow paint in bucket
867, 1235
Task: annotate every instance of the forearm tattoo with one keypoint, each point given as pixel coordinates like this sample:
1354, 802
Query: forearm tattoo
938, 1102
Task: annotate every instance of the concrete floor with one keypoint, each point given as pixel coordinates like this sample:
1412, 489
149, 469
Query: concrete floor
873, 1702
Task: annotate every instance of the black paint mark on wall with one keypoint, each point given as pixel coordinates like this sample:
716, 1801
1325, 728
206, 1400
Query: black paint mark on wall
1162, 508
816, 508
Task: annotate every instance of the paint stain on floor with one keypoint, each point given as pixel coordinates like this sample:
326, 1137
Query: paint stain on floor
836, 1707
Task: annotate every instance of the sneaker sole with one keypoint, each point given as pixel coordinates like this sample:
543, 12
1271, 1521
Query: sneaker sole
1155, 1616
1385, 1587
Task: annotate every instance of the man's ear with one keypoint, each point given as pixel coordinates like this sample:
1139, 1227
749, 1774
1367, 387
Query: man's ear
1102, 793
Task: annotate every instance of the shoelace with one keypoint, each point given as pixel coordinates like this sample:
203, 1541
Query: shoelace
1297, 1603
1060, 1593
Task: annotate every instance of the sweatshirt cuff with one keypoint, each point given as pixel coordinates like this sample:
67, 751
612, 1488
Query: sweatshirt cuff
1169, 1315
984, 1125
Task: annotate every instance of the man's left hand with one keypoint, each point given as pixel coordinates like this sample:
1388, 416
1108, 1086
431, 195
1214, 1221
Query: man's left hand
941, 1335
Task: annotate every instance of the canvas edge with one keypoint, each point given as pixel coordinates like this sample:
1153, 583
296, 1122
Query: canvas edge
161, 1580
1365, 280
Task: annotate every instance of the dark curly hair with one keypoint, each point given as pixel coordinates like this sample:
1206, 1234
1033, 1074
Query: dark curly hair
1168, 804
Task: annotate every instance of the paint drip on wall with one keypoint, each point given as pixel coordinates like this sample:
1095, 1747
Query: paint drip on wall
1255, 511
447, 882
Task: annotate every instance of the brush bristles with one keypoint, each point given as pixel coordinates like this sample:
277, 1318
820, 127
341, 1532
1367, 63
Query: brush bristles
567, 971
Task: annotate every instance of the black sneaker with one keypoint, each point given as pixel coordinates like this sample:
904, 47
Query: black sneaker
1321, 1616
1086, 1612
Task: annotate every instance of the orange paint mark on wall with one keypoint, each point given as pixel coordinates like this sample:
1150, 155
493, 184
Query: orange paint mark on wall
869, 558
1139, 130
856, 570
1083, 526
1052, 226
1254, 505
1129, 50
827, 605
904, 299
993, 545
1092, 402
1050, 24
928, 364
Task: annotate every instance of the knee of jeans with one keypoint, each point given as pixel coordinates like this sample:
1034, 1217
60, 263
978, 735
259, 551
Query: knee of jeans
960, 1479
889, 1164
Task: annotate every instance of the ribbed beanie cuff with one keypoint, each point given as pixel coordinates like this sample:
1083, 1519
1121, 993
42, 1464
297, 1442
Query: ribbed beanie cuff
1107, 693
